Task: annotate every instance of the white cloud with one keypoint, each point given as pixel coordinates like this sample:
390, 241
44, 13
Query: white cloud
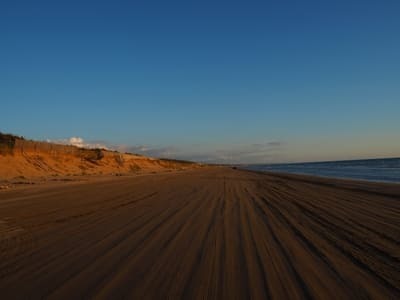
76, 141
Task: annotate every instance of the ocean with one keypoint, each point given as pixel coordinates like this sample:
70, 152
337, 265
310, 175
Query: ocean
384, 170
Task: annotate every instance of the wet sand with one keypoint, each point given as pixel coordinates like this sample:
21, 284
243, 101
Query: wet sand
212, 233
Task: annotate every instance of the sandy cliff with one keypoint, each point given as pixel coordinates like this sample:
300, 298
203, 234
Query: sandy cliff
20, 157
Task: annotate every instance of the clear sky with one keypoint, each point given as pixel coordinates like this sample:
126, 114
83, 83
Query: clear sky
226, 81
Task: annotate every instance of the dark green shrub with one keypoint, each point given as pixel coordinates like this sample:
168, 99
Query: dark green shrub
7, 143
92, 155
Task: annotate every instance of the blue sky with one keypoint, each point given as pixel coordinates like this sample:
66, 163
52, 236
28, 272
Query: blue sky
223, 81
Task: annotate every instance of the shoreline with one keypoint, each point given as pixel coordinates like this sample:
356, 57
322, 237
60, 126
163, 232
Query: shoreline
387, 188
321, 176
318, 177
372, 170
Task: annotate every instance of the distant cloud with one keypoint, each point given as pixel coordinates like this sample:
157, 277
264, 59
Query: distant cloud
79, 142
263, 152
165, 152
269, 144
253, 153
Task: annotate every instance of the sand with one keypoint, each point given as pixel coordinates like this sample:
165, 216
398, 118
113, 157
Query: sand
211, 233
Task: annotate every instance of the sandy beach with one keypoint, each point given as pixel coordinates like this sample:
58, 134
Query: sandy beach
210, 233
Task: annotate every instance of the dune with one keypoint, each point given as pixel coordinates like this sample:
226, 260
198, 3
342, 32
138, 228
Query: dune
22, 159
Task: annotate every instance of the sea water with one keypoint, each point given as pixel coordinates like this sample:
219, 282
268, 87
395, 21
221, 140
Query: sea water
386, 169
